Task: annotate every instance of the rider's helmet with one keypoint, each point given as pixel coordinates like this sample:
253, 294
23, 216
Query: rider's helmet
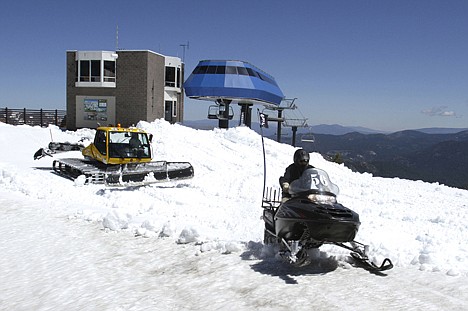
301, 157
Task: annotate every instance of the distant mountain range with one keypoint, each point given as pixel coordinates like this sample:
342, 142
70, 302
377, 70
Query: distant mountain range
407, 154
337, 129
428, 154
332, 129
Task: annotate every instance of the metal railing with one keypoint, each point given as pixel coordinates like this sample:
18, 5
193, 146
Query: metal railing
34, 117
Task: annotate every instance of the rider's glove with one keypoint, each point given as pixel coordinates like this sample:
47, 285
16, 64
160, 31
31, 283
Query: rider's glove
285, 187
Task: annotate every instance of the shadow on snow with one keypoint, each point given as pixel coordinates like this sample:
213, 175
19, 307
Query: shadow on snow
272, 264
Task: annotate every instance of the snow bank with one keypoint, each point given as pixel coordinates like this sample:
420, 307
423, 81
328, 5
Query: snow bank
416, 224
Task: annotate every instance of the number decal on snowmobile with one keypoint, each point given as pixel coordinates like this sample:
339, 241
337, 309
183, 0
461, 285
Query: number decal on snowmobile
318, 181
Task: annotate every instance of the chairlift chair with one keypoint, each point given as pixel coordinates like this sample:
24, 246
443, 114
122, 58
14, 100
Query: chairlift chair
308, 137
217, 112
213, 112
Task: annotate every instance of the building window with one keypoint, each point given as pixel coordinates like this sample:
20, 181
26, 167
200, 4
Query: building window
231, 70
170, 110
178, 77
84, 70
211, 70
95, 71
90, 71
174, 108
242, 71
109, 71
200, 70
170, 76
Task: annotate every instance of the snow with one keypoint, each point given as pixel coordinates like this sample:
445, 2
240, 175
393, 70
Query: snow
197, 244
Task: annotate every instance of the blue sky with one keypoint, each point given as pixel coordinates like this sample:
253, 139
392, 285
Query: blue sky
386, 65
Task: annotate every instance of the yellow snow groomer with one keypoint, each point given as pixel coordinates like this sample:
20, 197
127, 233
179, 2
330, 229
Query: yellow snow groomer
118, 156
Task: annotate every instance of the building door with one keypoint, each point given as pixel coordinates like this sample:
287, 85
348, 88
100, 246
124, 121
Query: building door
168, 110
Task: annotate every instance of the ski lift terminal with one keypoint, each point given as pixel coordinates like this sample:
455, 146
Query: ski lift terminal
230, 81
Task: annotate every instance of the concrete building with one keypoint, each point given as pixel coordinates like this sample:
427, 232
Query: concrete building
123, 87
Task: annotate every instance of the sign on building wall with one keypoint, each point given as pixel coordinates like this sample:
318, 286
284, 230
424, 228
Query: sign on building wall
94, 110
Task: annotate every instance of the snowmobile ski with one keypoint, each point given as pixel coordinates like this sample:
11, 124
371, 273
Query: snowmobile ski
359, 253
369, 265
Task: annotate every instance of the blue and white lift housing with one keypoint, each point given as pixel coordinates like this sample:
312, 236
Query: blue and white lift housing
232, 80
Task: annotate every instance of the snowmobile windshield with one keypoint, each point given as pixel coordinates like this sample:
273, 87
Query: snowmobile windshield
313, 180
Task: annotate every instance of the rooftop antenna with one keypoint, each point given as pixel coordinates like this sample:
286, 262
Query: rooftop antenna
117, 38
183, 47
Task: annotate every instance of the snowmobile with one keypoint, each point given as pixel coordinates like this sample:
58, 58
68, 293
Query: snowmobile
310, 218
118, 156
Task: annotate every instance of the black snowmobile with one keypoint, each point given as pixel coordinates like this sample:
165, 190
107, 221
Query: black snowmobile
312, 217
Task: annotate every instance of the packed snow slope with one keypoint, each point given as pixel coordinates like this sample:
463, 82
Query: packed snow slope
417, 225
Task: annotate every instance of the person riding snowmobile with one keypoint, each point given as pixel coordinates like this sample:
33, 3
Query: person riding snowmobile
294, 171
